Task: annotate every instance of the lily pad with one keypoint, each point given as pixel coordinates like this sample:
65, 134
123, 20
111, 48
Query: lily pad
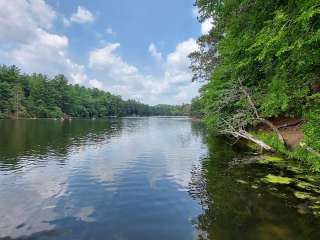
308, 186
303, 195
270, 178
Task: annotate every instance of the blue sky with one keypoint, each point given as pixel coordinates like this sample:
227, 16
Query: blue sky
136, 49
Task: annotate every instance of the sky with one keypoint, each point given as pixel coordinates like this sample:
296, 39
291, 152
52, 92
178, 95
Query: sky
136, 49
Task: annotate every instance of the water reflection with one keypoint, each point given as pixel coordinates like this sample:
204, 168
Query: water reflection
23, 139
120, 179
137, 178
236, 207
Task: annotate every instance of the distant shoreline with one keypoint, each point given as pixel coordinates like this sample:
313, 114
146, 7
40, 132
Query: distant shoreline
86, 118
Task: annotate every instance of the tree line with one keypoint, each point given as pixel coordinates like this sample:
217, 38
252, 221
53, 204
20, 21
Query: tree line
259, 62
38, 96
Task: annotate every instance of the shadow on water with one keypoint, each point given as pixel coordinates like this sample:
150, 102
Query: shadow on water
239, 204
40, 138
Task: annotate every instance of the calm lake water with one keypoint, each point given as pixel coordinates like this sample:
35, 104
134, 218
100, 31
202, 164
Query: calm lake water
141, 178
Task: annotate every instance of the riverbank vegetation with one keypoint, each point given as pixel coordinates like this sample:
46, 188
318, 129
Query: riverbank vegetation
38, 96
261, 66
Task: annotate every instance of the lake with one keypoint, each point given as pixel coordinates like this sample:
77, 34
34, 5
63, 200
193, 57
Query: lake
145, 178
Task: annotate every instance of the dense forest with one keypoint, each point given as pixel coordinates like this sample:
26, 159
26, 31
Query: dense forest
38, 96
260, 64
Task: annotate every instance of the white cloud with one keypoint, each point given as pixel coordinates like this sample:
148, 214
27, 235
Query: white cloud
27, 40
173, 85
47, 53
19, 19
177, 71
78, 76
66, 22
206, 26
109, 30
123, 79
96, 84
155, 53
82, 15
42, 13
32, 46
43, 46
106, 59
195, 12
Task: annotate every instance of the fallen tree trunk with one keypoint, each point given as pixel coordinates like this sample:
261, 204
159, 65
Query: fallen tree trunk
274, 129
245, 135
265, 121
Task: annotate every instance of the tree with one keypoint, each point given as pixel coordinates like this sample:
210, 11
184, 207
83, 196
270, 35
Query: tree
37, 95
271, 46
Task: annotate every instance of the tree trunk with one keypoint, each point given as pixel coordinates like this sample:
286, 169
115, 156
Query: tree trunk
256, 113
251, 138
244, 134
275, 129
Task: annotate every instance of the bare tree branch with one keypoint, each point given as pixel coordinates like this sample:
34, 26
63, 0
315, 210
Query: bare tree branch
259, 118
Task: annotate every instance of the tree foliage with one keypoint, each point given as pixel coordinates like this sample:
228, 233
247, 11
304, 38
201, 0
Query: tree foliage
36, 95
312, 127
272, 46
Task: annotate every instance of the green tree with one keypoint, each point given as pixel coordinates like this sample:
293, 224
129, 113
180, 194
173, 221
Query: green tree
272, 47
